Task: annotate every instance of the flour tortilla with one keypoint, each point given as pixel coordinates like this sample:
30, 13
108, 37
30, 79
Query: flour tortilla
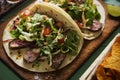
89, 35
52, 11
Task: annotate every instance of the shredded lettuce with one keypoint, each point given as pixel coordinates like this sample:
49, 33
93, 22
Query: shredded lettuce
72, 42
84, 12
32, 29
15, 33
51, 24
36, 18
90, 12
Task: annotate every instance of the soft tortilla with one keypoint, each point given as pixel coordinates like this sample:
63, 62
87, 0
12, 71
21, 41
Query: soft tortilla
54, 12
89, 35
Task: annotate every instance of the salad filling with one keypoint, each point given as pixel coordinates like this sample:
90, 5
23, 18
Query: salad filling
84, 13
46, 38
89, 15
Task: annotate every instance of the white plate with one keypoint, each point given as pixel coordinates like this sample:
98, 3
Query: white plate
90, 72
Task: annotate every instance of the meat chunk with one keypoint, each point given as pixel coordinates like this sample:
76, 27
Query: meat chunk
31, 55
57, 60
96, 26
17, 43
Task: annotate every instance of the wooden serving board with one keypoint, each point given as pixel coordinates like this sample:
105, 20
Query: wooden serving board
88, 48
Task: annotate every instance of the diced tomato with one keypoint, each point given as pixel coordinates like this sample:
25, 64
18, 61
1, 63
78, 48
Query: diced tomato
46, 31
26, 13
60, 41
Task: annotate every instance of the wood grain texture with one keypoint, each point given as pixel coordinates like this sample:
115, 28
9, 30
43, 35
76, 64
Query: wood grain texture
88, 48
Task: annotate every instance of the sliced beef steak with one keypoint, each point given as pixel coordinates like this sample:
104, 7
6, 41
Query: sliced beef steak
17, 43
31, 55
57, 60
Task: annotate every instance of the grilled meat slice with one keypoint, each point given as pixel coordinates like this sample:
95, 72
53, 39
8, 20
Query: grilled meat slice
96, 26
57, 60
31, 55
17, 43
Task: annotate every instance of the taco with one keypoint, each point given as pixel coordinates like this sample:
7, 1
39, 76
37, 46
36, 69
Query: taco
42, 38
88, 14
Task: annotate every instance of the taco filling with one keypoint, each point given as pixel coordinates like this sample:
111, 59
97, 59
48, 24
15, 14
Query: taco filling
46, 38
83, 12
